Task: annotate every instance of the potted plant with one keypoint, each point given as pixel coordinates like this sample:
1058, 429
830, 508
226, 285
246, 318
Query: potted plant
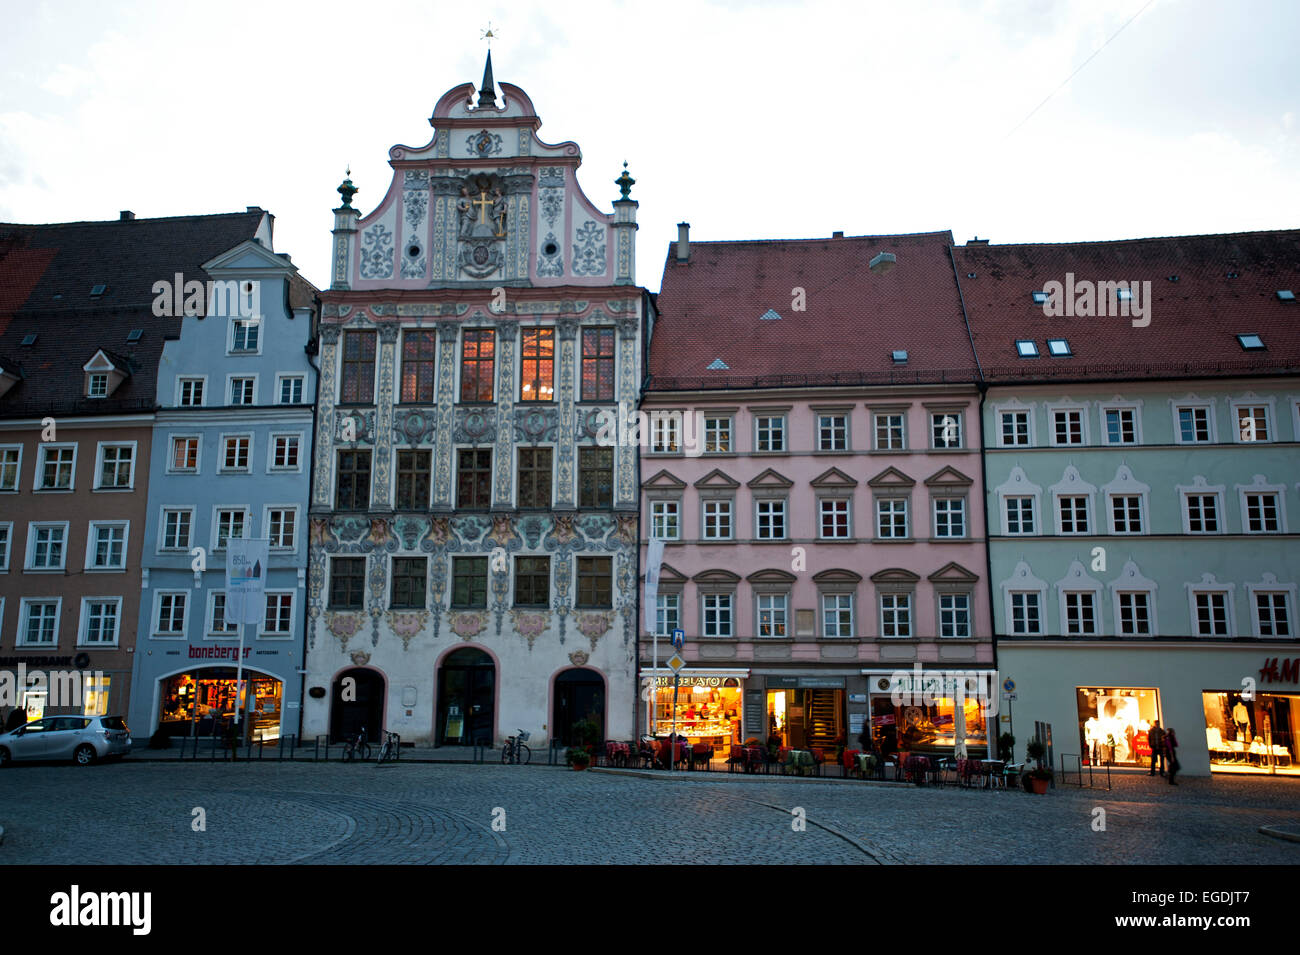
577, 757
1037, 779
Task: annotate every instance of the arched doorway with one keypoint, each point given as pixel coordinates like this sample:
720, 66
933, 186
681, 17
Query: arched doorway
579, 696
358, 705
466, 698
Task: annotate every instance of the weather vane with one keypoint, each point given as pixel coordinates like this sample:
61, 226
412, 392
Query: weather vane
489, 34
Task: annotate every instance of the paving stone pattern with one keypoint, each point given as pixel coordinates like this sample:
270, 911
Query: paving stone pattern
428, 813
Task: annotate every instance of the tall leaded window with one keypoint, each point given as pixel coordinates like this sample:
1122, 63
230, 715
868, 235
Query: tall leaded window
474, 477
414, 474
532, 581
358, 381
595, 477
595, 578
352, 487
347, 582
409, 576
419, 361
537, 365
534, 477
598, 364
477, 360
469, 582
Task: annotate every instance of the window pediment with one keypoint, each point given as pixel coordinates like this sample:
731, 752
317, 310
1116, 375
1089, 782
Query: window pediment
716, 480
948, 477
837, 576
717, 578
833, 478
664, 481
894, 575
770, 479
771, 576
891, 477
953, 572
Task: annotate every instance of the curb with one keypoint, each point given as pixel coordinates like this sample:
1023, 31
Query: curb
1273, 831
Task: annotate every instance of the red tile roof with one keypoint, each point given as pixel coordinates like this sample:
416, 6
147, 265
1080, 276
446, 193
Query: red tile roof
1226, 285
47, 273
710, 307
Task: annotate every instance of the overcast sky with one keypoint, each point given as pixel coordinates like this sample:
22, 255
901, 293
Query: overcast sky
753, 120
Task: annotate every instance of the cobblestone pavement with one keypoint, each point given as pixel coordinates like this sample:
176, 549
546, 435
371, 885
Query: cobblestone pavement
143, 812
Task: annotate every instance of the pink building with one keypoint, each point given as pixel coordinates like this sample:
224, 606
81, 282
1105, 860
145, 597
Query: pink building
813, 465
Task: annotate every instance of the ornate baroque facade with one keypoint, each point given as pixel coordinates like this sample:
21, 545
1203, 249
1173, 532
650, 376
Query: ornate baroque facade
473, 548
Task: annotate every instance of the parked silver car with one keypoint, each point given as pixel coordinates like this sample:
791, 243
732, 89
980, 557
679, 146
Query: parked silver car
82, 739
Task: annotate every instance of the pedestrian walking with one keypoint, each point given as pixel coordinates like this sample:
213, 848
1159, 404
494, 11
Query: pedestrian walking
1156, 740
1171, 754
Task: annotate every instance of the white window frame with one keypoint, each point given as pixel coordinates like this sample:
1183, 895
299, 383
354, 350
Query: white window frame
83, 627
171, 453
32, 528
730, 503
237, 320
43, 450
91, 530
1192, 403
271, 466
1261, 486
1058, 500
180, 390
958, 417
1018, 484
965, 519
229, 630
970, 614
666, 430
777, 506
1135, 407
908, 607
162, 547
1144, 526
1033, 515
100, 450
1208, 584
1270, 418
906, 501
1270, 586
1072, 485
835, 504
18, 468
297, 526
837, 597
1062, 408
1077, 581
784, 610
832, 416
1023, 581
730, 425
1131, 581
661, 513
1198, 488
93, 378
230, 383
24, 613
1011, 612
781, 429
158, 634
730, 597
216, 524
6, 552
263, 633
221, 451
1096, 613
1028, 412
662, 603
280, 381
902, 431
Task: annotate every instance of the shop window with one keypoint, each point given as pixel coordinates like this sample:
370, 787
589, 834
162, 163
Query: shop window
1114, 722
708, 710
1251, 734
94, 699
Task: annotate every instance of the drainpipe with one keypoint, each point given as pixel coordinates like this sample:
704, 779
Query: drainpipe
312, 348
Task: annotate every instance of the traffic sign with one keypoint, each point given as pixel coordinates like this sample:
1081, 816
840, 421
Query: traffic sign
1009, 697
679, 639
676, 663
1008, 685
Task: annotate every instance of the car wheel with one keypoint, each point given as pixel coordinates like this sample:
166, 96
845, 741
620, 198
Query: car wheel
4, 757
85, 754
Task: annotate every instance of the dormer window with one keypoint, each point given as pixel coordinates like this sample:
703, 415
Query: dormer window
104, 374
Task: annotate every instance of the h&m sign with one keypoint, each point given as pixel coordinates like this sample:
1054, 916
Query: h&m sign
1288, 672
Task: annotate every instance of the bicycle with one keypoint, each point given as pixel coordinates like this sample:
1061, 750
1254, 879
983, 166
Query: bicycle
515, 751
392, 748
356, 748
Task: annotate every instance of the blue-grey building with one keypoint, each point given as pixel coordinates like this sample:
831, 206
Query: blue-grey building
231, 452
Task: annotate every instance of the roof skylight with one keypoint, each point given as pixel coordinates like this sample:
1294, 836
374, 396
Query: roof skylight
1026, 348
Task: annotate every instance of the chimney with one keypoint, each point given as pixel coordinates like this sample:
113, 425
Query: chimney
837, 235
977, 241
683, 242
126, 215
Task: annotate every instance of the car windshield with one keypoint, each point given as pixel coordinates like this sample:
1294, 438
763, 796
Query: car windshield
113, 722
